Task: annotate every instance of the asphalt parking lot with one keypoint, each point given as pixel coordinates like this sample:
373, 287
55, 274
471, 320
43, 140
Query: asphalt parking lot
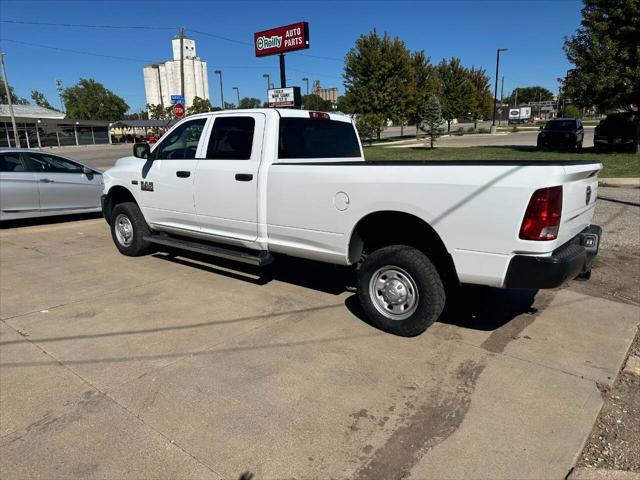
180, 367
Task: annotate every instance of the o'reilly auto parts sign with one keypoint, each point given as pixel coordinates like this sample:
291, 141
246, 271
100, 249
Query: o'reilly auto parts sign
281, 39
284, 97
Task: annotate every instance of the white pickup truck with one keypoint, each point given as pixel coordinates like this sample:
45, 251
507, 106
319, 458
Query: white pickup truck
250, 184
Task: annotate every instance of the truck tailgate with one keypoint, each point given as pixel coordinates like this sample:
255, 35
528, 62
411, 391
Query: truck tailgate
580, 191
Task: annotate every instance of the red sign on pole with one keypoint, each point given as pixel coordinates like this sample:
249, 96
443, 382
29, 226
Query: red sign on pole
178, 110
281, 39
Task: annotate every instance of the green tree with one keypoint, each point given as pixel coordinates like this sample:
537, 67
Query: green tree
528, 95
376, 76
370, 125
606, 53
457, 91
139, 115
16, 100
157, 112
422, 85
90, 100
229, 106
250, 102
432, 120
482, 100
571, 111
199, 105
343, 105
40, 100
316, 102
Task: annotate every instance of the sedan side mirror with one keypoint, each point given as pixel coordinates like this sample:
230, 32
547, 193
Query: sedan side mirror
141, 150
541, 127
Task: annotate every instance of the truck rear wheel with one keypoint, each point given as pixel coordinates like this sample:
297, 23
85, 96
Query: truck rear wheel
400, 290
128, 228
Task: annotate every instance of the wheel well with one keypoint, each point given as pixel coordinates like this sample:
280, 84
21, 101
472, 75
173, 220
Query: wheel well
381, 229
116, 195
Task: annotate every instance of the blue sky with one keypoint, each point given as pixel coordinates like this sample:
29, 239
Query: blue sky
472, 30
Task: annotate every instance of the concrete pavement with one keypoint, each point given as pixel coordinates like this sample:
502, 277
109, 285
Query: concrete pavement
178, 367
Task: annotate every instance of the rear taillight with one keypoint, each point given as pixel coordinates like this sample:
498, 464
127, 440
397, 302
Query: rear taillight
542, 218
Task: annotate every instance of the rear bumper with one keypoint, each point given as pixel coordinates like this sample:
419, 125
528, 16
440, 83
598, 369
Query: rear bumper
565, 263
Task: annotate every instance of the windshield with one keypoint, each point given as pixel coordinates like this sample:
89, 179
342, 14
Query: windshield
619, 118
561, 125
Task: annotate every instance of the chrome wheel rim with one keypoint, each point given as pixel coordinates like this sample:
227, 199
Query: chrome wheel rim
394, 293
124, 230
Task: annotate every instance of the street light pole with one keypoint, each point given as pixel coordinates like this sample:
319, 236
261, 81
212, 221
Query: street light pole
266, 75
16, 137
305, 79
219, 72
495, 92
238, 92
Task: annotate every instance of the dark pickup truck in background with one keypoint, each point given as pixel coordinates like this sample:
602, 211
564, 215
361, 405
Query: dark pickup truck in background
619, 131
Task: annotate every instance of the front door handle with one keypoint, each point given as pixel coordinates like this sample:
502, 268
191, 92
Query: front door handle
183, 174
46, 180
244, 177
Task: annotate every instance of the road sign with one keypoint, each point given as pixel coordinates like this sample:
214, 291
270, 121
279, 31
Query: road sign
177, 99
178, 110
281, 39
284, 97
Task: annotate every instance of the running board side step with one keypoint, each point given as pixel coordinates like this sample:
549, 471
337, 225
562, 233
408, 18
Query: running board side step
260, 259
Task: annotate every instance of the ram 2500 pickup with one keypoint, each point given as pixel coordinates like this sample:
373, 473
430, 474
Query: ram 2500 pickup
248, 184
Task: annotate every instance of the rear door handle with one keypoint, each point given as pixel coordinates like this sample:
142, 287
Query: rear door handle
183, 174
244, 177
46, 180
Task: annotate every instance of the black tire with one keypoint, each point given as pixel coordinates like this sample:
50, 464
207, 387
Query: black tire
136, 246
579, 146
408, 262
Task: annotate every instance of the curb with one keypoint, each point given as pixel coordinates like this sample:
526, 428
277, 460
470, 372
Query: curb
582, 473
620, 182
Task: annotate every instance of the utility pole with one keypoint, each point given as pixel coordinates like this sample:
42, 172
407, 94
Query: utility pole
501, 99
219, 72
182, 63
516, 102
10, 102
266, 75
495, 90
283, 77
305, 79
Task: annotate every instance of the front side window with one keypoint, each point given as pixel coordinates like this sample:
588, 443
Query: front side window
53, 164
231, 138
182, 141
316, 138
11, 162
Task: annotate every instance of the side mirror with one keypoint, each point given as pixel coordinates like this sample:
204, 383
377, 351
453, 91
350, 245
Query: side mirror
541, 127
87, 171
141, 150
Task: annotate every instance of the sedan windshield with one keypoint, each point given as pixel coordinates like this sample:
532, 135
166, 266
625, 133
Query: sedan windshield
561, 125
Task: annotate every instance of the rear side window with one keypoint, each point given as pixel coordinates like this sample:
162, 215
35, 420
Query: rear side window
11, 162
231, 138
315, 138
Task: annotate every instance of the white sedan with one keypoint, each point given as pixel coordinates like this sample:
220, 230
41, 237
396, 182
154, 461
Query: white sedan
39, 184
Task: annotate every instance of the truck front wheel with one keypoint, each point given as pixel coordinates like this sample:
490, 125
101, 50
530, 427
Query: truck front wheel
400, 290
128, 228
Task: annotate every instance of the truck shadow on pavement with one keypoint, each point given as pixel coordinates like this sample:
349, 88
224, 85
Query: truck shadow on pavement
471, 307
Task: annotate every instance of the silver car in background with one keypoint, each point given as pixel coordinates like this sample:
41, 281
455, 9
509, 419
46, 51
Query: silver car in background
39, 184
